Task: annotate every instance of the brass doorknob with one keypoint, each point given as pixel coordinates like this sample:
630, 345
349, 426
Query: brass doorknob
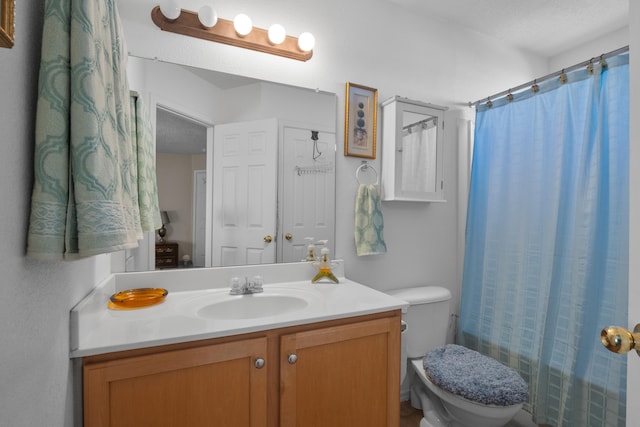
288, 236
619, 340
268, 238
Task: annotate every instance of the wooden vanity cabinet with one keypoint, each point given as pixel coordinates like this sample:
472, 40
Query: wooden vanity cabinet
338, 373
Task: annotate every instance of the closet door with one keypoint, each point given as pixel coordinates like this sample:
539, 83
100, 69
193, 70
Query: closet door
244, 193
308, 191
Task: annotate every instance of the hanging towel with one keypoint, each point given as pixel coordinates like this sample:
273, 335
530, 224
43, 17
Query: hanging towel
85, 194
369, 222
146, 164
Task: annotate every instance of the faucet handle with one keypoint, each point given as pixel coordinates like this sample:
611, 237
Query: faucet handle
257, 283
235, 284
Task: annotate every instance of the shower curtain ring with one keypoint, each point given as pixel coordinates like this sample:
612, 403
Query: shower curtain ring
603, 62
534, 87
509, 96
563, 77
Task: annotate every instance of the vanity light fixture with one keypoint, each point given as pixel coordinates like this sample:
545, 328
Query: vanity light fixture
207, 16
276, 34
205, 24
242, 24
306, 42
170, 9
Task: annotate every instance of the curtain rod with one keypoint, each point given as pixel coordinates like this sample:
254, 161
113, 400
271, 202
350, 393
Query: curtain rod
552, 75
423, 121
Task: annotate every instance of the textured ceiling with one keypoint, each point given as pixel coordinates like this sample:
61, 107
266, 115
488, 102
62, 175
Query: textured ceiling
544, 27
176, 134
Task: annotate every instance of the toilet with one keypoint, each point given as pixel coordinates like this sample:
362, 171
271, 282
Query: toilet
445, 405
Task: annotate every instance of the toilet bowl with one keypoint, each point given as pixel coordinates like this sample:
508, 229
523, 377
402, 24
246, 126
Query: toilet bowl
427, 321
441, 408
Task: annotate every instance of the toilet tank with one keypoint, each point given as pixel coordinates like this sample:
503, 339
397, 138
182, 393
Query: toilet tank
427, 317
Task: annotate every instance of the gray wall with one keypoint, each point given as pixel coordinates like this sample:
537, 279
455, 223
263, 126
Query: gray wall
36, 382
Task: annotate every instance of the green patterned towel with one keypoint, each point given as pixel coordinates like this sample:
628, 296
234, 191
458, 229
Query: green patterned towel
369, 222
85, 198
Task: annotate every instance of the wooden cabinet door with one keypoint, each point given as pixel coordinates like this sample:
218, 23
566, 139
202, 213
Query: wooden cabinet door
214, 385
342, 376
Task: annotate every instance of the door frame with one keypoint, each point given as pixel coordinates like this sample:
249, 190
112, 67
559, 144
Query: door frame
146, 248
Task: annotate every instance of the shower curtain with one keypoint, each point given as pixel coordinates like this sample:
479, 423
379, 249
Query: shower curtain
419, 158
546, 254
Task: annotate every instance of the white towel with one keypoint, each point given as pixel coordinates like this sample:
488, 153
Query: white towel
369, 221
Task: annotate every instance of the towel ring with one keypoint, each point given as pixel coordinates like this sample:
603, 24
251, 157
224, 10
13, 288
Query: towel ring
364, 167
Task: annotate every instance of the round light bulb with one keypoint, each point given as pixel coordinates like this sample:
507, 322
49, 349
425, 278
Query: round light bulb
207, 16
170, 9
277, 34
306, 41
242, 24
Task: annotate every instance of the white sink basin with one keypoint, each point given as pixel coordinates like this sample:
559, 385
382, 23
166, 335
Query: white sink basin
233, 307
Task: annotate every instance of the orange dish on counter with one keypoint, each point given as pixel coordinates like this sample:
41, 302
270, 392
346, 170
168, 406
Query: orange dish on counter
137, 298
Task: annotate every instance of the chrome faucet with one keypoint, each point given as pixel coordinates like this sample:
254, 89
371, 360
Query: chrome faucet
250, 286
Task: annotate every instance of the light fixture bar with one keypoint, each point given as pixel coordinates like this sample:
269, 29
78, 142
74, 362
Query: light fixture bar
188, 24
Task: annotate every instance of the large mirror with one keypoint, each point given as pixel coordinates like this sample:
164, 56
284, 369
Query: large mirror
246, 168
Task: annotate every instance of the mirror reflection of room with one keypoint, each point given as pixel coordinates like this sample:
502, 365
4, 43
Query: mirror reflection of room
208, 108
418, 152
181, 163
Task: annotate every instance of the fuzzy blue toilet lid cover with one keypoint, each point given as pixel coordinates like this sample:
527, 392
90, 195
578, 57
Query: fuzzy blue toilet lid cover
475, 377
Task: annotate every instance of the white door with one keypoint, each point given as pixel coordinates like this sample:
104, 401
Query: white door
308, 195
633, 361
199, 217
244, 193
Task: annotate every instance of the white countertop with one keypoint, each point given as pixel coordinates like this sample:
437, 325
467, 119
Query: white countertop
95, 329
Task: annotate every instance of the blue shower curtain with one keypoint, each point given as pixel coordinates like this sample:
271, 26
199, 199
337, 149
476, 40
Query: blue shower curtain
546, 255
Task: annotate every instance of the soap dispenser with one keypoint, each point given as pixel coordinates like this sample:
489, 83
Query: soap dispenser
311, 251
324, 265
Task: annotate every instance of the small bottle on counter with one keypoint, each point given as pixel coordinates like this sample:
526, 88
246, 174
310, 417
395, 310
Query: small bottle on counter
324, 265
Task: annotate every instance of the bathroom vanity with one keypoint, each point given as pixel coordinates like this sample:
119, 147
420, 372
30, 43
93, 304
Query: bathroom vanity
332, 361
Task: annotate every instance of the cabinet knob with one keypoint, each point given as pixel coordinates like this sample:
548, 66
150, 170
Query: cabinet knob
288, 236
292, 359
268, 238
259, 363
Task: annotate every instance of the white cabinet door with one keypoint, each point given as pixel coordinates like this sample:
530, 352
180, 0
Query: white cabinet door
244, 193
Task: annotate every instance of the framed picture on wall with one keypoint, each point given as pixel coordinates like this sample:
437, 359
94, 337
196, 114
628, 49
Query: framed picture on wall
361, 107
6, 23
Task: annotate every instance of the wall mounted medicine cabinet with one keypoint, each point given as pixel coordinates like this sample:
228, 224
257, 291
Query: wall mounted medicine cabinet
412, 150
